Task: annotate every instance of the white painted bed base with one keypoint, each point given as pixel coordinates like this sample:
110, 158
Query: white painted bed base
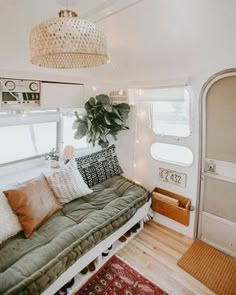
96, 252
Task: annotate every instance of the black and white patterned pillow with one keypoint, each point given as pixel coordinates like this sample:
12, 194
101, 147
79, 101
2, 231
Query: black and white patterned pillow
99, 166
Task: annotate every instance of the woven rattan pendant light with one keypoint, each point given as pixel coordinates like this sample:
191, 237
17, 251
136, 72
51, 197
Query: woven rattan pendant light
67, 42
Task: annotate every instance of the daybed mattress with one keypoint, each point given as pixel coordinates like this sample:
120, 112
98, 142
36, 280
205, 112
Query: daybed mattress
29, 266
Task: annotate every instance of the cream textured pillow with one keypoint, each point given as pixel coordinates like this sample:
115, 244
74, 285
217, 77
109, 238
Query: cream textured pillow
9, 224
68, 184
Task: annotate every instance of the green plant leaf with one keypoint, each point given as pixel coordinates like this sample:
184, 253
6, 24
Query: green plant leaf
112, 116
88, 107
123, 110
114, 135
103, 99
77, 115
103, 144
122, 106
116, 113
118, 121
92, 101
108, 120
81, 131
108, 107
75, 124
78, 121
102, 119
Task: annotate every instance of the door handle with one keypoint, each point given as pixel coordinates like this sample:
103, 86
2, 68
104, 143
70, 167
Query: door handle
209, 166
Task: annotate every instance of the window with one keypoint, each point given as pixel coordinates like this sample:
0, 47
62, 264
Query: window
45, 137
26, 137
171, 153
68, 132
29, 134
170, 111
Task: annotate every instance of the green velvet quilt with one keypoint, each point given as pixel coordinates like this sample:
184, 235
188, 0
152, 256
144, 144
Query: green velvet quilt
29, 266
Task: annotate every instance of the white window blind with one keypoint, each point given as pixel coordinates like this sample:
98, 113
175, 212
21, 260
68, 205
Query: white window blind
170, 111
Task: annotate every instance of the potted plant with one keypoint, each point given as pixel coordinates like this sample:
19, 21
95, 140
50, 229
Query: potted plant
53, 157
102, 119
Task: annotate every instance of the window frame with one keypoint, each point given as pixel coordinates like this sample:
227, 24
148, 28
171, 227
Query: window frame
15, 118
18, 117
168, 136
179, 164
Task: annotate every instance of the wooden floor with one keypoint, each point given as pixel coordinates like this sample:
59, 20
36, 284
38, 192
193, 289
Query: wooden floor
154, 252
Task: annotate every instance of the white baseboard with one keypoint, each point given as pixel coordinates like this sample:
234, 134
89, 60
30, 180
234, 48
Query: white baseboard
222, 249
163, 220
219, 233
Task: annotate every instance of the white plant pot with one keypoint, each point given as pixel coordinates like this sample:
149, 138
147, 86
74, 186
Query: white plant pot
54, 164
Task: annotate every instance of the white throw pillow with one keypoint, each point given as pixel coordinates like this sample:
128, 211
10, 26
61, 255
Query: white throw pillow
9, 224
67, 183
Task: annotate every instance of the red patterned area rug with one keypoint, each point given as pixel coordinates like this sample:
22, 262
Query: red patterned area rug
117, 278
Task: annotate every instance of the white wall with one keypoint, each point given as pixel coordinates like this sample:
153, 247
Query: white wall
146, 168
134, 150
154, 43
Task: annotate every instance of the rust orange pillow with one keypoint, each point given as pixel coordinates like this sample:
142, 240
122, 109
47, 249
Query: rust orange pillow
33, 203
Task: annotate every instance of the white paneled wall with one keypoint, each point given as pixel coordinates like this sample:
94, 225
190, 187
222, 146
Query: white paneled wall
135, 157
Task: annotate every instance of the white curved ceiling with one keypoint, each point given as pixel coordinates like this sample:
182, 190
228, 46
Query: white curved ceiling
150, 40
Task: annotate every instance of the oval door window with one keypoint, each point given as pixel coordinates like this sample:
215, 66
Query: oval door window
171, 153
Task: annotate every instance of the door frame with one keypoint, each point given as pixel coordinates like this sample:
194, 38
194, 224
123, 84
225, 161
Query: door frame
202, 140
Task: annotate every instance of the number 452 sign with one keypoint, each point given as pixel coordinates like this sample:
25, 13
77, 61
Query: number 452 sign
173, 177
